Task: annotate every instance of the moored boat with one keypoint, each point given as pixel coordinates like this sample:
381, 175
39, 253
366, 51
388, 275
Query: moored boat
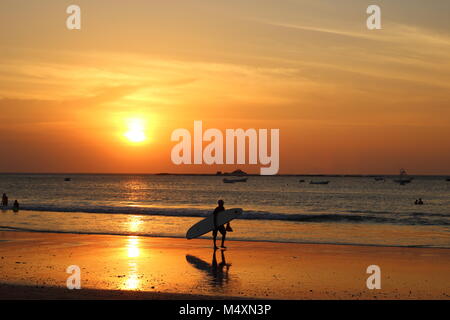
225, 180
319, 182
403, 178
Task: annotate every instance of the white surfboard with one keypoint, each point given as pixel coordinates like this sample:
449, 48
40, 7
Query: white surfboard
206, 225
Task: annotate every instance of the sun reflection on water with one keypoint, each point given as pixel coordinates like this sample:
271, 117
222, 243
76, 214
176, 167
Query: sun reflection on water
134, 223
135, 190
132, 281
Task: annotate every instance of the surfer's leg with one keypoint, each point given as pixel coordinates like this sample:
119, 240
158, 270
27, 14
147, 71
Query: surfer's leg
223, 231
223, 239
214, 238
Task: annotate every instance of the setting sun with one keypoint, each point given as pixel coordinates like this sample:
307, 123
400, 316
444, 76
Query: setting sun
136, 131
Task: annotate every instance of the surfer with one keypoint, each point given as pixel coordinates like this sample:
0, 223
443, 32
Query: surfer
221, 228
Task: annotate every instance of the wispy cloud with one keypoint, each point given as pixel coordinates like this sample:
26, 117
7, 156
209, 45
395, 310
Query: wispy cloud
391, 32
314, 29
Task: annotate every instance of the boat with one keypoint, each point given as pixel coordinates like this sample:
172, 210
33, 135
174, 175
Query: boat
225, 180
237, 173
379, 179
448, 180
301, 181
319, 182
403, 178
67, 179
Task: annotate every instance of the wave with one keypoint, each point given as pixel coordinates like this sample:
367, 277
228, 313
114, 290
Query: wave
167, 211
415, 218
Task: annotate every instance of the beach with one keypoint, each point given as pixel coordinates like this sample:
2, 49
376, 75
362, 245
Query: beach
33, 266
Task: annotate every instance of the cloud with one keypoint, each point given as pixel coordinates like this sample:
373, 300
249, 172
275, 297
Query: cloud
394, 33
16, 111
316, 29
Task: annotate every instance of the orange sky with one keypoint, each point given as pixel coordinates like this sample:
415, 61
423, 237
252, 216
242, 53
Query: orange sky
346, 100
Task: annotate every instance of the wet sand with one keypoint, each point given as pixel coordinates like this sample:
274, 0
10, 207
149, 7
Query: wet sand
33, 266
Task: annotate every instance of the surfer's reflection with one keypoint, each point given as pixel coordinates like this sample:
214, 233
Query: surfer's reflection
217, 272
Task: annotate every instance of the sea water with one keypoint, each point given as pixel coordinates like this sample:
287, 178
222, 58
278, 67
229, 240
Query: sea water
348, 210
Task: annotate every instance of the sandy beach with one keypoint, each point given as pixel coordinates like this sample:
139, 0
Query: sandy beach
33, 266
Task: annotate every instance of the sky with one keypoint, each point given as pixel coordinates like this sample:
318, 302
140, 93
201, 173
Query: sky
347, 100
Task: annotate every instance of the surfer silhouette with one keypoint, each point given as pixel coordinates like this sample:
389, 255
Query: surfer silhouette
221, 228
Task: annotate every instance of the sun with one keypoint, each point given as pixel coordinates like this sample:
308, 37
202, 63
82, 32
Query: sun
136, 131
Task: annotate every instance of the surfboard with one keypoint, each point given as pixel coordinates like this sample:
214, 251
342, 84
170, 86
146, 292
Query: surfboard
206, 225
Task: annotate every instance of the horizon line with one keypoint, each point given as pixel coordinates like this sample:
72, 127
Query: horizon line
224, 174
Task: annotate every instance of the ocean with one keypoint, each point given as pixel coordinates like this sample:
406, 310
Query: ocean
348, 210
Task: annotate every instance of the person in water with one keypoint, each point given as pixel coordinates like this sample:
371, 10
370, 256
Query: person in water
16, 206
220, 228
4, 200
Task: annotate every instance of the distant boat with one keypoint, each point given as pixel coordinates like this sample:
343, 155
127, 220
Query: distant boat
225, 180
319, 182
448, 180
379, 179
403, 178
67, 179
302, 181
238, 173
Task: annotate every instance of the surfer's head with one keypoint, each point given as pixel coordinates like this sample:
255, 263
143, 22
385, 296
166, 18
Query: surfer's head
220, 203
